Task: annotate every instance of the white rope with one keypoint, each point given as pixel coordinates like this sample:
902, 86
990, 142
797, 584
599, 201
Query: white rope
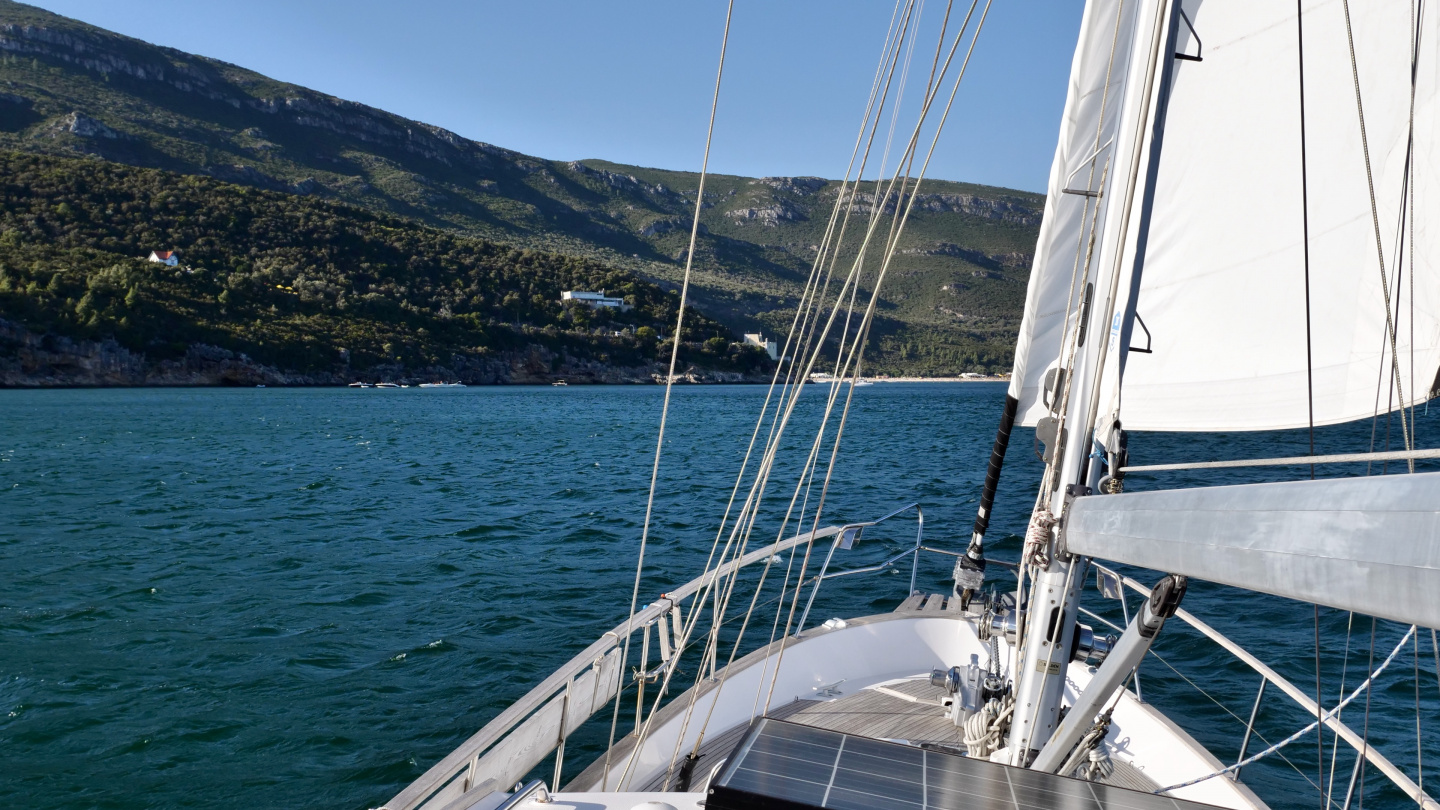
880, 279
1379, 243
745, 520
670, 382
1306, 730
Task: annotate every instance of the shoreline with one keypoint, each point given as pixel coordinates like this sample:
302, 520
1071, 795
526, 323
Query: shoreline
936, 379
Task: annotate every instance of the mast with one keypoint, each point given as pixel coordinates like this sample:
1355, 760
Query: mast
1105, 316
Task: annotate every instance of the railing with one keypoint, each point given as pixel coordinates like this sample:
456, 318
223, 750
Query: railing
1270, 676
519, 738
847, 536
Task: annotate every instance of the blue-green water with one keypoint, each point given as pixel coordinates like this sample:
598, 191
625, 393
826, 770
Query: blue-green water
274, 598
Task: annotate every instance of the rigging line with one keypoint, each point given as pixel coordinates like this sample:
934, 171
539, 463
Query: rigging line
733, 652
1320, 728
1288, 461
817, 348
1305, 228
761, 475
1158, 95
1375, 219
803, 307
1080, 236
886, 264
670, 378
1419, 749
820, 260
1365, 735
669, 672
850, 193
1344, 671
1416, 13
1309, 373
1365, 687
1223, 708
712, 645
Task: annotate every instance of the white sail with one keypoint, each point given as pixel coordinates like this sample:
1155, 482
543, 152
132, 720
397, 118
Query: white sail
1088, 135
1222, 289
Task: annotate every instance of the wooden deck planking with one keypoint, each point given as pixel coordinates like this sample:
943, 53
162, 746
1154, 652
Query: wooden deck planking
912, 602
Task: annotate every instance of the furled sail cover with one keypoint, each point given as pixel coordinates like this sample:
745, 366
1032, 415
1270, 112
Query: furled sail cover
1088, 139
1222, 290
1371, 545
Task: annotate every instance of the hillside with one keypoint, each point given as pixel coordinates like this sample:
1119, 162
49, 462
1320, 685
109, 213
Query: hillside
285, 288
953, 304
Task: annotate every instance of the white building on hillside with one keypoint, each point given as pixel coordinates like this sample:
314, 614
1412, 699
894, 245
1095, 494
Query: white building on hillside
594, 300
166, 257
758, 339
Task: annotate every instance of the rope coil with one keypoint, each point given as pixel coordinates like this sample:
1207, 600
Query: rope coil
1037, 538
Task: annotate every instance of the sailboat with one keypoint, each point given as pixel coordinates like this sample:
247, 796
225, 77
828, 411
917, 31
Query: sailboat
1235, 220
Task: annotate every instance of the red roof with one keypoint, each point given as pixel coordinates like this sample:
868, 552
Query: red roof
163, 254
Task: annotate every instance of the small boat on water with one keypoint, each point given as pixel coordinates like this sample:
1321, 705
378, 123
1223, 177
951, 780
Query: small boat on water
386, 385
360, 385
443, 385
560, 382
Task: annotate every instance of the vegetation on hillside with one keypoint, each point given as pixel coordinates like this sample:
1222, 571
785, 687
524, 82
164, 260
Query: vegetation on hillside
952, 303
302, 283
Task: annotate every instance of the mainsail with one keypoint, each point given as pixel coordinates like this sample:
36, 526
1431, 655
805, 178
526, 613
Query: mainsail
1223, 295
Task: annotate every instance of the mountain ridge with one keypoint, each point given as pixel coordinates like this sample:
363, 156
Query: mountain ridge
953, 302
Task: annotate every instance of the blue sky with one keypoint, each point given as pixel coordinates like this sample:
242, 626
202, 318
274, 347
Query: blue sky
630, 80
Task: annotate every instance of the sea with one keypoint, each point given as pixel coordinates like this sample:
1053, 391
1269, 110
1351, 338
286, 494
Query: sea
242, 598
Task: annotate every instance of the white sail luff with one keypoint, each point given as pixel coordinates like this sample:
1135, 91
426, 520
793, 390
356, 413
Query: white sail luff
1369, 545
1088, 129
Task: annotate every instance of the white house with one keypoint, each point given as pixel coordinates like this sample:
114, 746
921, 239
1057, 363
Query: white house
166, 257
758, 339
594, 300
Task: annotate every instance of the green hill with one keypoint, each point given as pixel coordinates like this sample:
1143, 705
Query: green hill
953, 303
321, 289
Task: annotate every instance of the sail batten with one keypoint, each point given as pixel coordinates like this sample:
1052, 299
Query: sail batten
1371, 545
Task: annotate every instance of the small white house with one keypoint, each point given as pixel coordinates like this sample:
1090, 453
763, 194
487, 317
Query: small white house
166, 257
758, 339
594, 300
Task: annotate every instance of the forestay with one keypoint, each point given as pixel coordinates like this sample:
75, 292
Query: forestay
1222, 290
1370, 545
1088, 136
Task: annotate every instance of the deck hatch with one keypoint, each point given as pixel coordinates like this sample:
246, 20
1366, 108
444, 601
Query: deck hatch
786, 766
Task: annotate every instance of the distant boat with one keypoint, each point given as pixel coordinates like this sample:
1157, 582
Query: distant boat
442, 385
386, 385
262, 385
360, 385
859, 383
559, 382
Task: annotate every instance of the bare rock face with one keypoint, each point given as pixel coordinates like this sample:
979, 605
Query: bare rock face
86, 127
768, 215
802, 186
